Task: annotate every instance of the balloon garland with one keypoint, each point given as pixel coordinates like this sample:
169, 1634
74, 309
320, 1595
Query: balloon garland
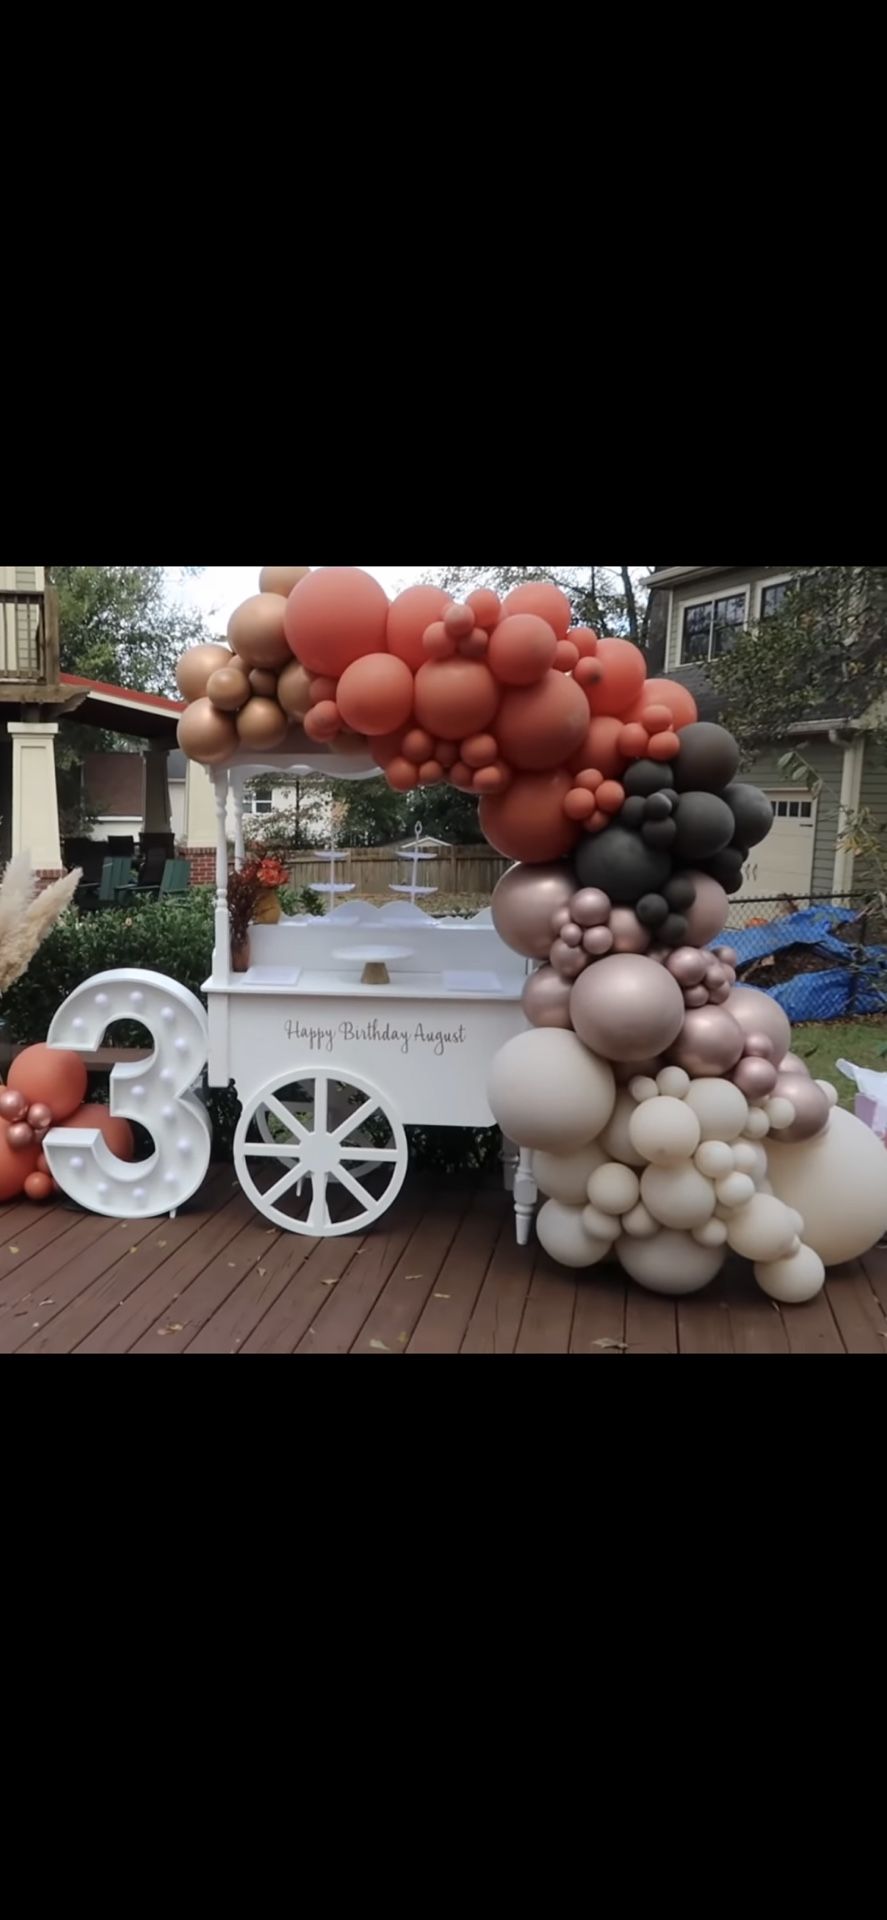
46, 1089
649, 1080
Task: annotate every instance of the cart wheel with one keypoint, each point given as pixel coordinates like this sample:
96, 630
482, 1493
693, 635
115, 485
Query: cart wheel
341, 1174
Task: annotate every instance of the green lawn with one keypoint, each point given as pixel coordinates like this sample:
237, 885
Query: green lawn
862, 1041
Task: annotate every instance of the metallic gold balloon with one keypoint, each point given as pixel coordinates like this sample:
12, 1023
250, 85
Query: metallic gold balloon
546, 999
294, 690
264, 681
207, 735
228, 689
281, 579
256, 632
195, 667
262, 724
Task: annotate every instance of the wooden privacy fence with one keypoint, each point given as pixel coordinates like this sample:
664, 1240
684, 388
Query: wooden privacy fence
372, 870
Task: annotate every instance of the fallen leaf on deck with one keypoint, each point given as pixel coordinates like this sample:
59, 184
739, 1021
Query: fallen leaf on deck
263, 1273
329, 1283
415, 1276
46, 1303
378, 1346
443, 1296
176, 1327
402, 1339
36, 1326
13, 1249
610, 1346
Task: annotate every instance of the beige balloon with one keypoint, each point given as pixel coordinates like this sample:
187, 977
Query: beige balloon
294, 690
228, 689
671, 1263
256, 631
262, 724
281, 579
195, 666
565, 1176
838, 1183
207, 735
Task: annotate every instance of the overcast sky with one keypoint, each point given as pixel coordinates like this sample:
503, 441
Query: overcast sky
218, 590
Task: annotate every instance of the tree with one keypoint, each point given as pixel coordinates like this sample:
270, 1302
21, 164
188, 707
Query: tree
822, 655
119, 624
612, 600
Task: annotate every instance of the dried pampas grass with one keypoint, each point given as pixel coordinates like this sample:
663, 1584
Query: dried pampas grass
26, 916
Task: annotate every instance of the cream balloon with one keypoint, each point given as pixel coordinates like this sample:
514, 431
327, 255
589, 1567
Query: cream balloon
712, 1234
640, 1225
715, 1159
616, 1137
672, 1263
563, 1235
838, 1183
600, 1226
674, 1083
614, 1189
792, 1281
565, 1176
665, 1132
764, 1229
643, 1089
735, 1190
548, 1092
720, 1108
678, 1197
757, 1125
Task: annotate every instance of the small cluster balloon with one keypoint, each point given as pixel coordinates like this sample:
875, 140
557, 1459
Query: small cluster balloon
46, 1089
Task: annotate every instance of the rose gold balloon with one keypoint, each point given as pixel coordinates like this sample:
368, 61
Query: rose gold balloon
728, 956
568, 962
20, 1136
195, 667
228, 689
709, 913
546, 999
294, 690
710, 1044
524, 905
262, 724
13, 1106
591, 907
812, 1107
625, 1005
695, 997
755, 1078
688, 966
719, 995
759, 1046
256, 632
598, 941
571, 935
628, 934
40, 1117
207, 735
560, 919
715, 977
791, 1064
281, 580
756, 1013
264, 681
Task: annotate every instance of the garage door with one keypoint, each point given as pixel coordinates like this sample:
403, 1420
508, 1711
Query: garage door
784, 864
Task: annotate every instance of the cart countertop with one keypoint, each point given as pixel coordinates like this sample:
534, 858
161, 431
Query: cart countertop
342, 984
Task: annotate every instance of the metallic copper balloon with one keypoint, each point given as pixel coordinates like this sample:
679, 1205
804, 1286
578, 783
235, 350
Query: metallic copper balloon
40, 1117
262, 724
20, 1136
568, 962
207, 735
598, 941
294, 690
195, 667
264, 681
256, 632
546, 999
13, 1106
625, 1005
812, 1106
710, 1044
757, 1013
688, 966
524, 905
756, 1078
228, 689
759, 1046
281, 579
591, 907
628, 934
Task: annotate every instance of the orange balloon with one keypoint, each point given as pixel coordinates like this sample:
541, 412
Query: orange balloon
322, 688
402, 775
459, 622
672, 695
118, 1133
15, 1166
546, 600
528, 822
194, 669
39, 1186
482, 750
621, 673
477, 645
324, 722
43, 1164
580, 804
598, 822
610, 797
600, 748
262, 724
541, 727
281, 579
462, 777
207, 735
228, 689
392, 747
486, 607
586, 640
408, 617
566, 658
294, 690
431, 773
633, 741
658, 719
590, 780
256, 631
455, 698
51, 1076
446, 753
492, 779
334, 617
437, 644
664, 746
419, 746
522, 650
375, 695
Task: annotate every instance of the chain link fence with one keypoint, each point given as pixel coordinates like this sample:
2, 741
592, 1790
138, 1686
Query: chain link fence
822, 959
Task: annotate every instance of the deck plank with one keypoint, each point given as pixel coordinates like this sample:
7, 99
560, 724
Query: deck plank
651, 1323
858, 1312
704, 1324
757, 1323
875, 1267
158, 1294
308, 1285
547, 1325
38, 1288
443, 1322
349, 1304
207, 1286
400, 1305
601, 1305
496, 1321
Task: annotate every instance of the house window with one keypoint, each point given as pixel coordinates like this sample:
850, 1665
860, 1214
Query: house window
773, 598
260, 800
793, 809
713, 627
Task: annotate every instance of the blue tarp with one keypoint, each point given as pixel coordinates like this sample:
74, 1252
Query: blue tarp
831, 994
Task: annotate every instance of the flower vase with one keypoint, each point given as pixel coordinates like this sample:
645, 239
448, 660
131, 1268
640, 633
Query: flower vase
240, 955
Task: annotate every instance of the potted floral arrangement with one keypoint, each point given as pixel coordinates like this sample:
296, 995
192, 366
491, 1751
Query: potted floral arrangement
253, 900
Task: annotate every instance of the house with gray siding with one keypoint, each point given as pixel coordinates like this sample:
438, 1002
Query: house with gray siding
697, 614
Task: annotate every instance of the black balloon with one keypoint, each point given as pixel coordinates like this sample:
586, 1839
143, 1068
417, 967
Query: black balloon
708, 760
658, 807
621, 865
727, 868
646, 777
680, 893
705, 826
674, 931
751, 812
660, 833
652, 910
633, 812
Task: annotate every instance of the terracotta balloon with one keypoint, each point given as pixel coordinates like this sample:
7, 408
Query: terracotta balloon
542, 726
812, 1107
228, 689
756, 1013
618, 671
334, 617
256, 631
528, 821
709, 913
600, 750
13, 1106
667, 693
294, 690
52, 1077
482, 750
546, 999
281, 580
486, 607
409, 616
627, 1008
195, 666
117, 1133
522, 650
710, 1044
15, 1167
375, 695
324, 722
544, 599
207, 735
524, 905
455, 698
262, 724
264, 681
39, 1186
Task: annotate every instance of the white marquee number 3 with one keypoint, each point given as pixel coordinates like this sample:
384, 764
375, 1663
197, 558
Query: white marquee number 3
156, 1092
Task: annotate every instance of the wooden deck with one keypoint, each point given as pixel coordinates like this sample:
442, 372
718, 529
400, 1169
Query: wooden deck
440, 1274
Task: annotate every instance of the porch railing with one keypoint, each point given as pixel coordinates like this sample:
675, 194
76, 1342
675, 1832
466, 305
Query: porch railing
29, 638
